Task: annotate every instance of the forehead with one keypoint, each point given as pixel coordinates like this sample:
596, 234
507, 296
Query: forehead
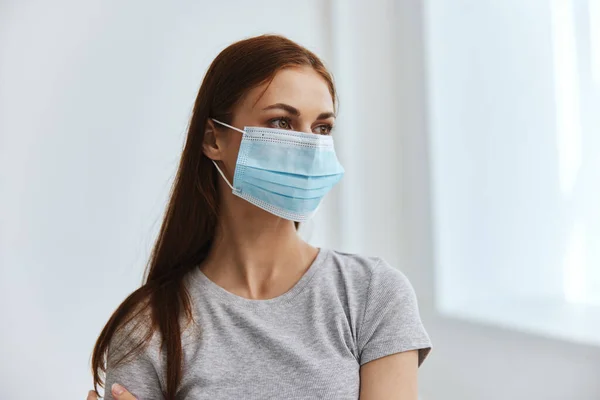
300, 87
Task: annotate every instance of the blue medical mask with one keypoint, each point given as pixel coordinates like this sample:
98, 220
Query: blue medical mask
286, 173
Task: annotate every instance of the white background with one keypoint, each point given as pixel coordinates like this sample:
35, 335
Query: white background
94, 102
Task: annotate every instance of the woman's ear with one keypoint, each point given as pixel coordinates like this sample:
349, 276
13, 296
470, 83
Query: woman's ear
210, 145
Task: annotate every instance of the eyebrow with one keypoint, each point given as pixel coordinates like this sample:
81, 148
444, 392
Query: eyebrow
294, 111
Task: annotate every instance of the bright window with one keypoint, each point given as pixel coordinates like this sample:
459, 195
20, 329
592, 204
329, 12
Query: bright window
514, 107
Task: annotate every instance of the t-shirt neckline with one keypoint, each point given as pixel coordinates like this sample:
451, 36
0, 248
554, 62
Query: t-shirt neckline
211, 287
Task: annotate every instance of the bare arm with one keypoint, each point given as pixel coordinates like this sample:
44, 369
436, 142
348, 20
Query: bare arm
392, 377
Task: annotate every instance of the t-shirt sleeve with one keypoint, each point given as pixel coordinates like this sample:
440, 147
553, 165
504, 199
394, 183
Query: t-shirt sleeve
391, 322
137, 374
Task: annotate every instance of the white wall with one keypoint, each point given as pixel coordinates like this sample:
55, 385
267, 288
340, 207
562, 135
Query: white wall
94, 100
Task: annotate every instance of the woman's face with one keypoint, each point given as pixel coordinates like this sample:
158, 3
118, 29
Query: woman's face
297, 99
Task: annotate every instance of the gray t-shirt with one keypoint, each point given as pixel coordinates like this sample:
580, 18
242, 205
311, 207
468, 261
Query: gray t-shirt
307, 343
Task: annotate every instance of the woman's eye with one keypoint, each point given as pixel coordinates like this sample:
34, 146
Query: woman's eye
280, 123
323, 129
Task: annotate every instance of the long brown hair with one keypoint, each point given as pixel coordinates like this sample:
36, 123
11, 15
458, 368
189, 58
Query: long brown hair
190, 219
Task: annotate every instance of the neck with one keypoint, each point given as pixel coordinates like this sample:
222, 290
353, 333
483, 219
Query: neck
255, 245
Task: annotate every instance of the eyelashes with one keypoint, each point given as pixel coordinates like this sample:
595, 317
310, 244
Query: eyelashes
286, 123
280, 123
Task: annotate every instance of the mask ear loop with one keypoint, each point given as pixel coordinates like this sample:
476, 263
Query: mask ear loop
219, 169
229, 126
223, 175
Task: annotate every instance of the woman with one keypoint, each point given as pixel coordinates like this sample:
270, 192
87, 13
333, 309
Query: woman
235, 304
